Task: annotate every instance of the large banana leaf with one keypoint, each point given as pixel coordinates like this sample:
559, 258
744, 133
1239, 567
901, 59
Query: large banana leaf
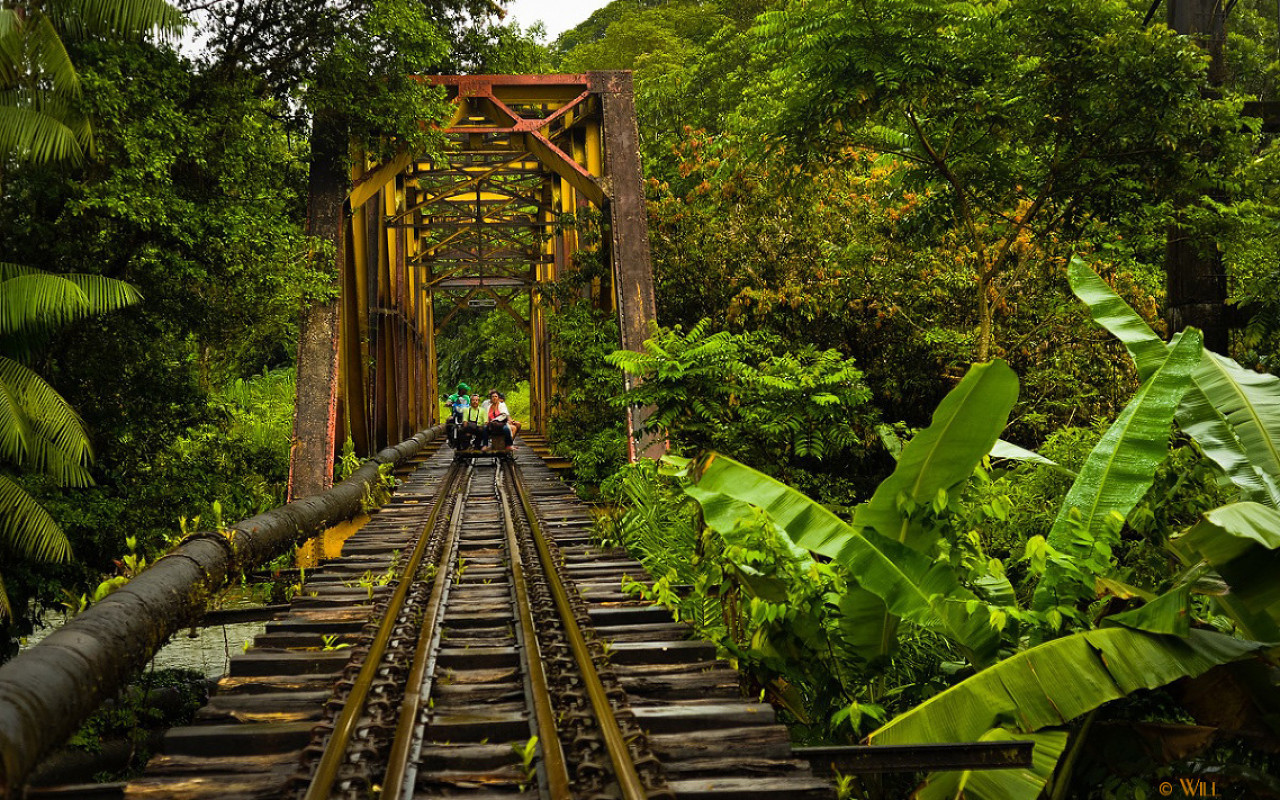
1059, 680
1113, 313
1251, 403
1203, 420
1000, 784
899, 581
1122, 466
1242, 541
1200, 415
964, 428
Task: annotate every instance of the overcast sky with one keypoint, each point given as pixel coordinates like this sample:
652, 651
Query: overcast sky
559, 15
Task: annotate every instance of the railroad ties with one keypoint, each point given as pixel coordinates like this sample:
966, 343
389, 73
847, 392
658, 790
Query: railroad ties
371, 686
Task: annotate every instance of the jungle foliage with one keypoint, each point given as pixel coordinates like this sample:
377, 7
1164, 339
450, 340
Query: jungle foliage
966, 205
898, 623
195, 195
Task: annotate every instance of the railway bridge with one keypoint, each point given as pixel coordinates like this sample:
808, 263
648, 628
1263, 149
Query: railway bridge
493, 652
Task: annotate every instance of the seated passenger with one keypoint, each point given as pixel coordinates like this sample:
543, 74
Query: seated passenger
460, 402
499, 418
473, 435
457, 404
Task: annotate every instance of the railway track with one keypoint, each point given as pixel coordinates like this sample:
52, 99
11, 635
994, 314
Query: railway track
473, 642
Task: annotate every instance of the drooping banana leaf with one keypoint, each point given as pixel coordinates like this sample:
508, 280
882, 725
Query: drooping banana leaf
1024, 783
1111, 312
964, 428
1242, 541
1250, 401
1059, 680
1200, 415
1122, 465
1205, 423
897, 580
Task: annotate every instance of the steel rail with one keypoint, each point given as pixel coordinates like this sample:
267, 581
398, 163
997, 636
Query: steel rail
418, 685
321, 787
624, 768
553, 760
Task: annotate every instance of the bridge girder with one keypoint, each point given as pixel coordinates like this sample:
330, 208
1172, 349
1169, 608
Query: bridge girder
483, 223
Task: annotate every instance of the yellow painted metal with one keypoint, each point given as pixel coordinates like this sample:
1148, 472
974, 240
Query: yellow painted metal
595, 155
370, 183
558, 162
528, 149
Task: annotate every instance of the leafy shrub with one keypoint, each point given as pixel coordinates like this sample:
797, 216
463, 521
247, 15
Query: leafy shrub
788, 409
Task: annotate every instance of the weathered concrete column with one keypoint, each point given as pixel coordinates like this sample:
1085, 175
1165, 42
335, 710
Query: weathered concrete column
628, 234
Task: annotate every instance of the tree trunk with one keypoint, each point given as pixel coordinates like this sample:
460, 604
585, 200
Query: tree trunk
984, 318
315, 414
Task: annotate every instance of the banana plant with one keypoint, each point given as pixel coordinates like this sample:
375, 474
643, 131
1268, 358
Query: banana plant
1047, 686
1120, 469
1242, 542
1231, 413
890, 556
1233, 416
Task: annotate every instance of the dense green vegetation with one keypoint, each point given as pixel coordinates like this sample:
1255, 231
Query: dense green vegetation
853, 205
192, 191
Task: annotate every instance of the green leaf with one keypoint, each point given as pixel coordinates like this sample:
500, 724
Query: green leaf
1058, 681
964, 428
899, 580
1122, 465
1219, 389
1250, 402
117, 18
1242, 541
1000, 784
27, 529
1201, 419
38, 428
1114, 314
31, 300
1169, 613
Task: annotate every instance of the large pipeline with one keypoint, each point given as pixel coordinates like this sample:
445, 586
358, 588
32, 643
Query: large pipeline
47, 692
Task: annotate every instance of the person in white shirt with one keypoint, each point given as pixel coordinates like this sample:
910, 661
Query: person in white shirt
500, 422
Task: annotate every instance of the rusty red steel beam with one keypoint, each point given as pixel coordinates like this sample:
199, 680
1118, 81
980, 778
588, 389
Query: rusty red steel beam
48, 691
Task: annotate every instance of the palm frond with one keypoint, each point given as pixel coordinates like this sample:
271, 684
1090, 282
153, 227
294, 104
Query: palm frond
121, 18
6, 610
11, 55
38, 137
48, 56
27, 529
39, 429
31, 301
